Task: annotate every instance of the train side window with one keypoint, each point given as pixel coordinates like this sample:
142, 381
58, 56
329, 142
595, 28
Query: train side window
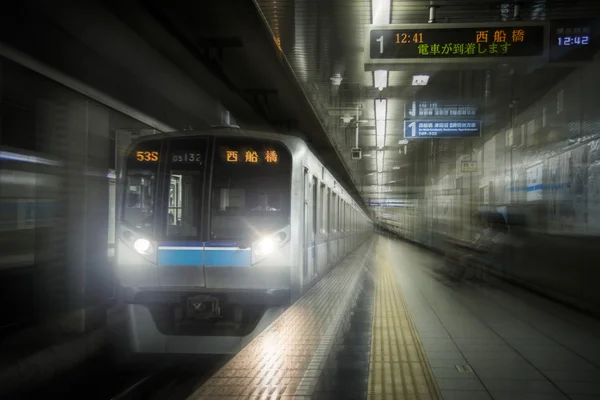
338, 217
333, 210
322, 205
345, 209
315, 206
345, 216
342, 212
328, 211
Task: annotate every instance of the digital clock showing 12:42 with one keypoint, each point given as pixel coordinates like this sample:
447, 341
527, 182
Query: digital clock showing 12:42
571, 40
574, 40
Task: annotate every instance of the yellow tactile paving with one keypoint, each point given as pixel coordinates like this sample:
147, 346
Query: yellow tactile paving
398, 366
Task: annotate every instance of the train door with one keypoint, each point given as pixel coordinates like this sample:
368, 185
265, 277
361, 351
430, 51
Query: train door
181, 251
328, 228
313, 266
306, 241
339, 227
334, 236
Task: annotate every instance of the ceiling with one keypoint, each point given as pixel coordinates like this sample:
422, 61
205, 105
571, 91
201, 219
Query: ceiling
297, 67
323, 40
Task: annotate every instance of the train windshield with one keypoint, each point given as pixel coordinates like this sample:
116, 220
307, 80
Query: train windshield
250, 188
140, 185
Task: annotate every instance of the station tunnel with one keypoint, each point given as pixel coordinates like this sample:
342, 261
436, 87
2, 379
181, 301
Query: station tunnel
300, 199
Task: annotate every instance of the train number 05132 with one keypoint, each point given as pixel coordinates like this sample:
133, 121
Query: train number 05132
187, 158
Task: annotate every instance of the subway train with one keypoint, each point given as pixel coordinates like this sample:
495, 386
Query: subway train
219, 230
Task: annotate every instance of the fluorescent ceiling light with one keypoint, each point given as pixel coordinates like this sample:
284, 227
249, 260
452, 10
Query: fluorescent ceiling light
420, 80
380, 79
379, 178
8, 155
396, 167
380, 161
381, 11
380, 117
336, 79
380, 139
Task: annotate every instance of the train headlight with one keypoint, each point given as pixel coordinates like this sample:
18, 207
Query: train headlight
142, 246
265, 246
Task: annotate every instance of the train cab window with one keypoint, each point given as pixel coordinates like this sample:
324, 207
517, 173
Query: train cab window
186, 166
251, 188
140, 185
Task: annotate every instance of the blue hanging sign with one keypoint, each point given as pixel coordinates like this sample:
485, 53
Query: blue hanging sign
441, 129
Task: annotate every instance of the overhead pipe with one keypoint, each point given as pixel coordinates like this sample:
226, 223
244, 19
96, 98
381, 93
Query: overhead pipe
357, 123
432, 11
517, 11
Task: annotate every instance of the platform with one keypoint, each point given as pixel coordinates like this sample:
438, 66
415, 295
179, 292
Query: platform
389, 324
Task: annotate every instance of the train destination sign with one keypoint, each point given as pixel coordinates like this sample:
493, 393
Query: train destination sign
441, 129
250, 156
426, 43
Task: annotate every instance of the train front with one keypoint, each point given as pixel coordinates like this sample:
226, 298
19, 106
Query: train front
204, 237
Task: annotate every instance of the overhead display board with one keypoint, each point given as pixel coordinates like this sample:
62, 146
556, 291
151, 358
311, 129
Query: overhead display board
573, 40
456, 43
427, 109
441, 129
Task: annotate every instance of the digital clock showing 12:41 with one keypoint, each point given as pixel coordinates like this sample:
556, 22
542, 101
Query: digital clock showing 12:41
408, 38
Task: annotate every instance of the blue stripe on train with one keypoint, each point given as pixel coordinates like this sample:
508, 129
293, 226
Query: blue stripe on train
199, 244
180, 257
225, 258
182, 244
211, 257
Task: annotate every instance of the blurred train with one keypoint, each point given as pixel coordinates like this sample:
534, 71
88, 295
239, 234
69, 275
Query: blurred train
217, 229
28, 204
27, 198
